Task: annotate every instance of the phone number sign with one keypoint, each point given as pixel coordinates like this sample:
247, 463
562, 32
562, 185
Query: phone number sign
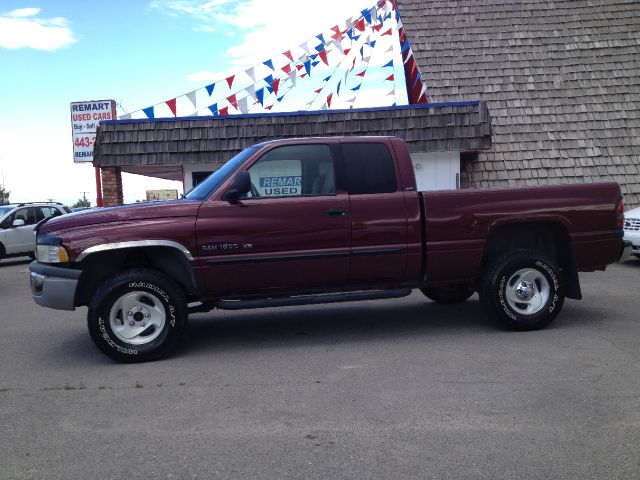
85, 117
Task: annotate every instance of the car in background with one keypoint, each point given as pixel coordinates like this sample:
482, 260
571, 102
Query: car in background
17, 222
632, 229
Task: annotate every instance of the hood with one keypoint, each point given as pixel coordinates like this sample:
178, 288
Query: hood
634, 213
125, 213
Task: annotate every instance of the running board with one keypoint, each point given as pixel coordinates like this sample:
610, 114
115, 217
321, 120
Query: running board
301, 300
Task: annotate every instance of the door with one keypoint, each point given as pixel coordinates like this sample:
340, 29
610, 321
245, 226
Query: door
291, 232
378, 214
20, 239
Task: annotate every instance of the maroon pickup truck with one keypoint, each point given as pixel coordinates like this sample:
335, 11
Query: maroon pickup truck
321, 220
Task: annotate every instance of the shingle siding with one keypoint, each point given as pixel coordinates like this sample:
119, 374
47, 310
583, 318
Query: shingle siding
561, 78
463, 127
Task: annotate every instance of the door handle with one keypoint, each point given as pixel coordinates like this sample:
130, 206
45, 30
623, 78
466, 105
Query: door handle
335, 212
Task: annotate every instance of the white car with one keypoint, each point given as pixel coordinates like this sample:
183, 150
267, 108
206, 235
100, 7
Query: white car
17, 222
632, 229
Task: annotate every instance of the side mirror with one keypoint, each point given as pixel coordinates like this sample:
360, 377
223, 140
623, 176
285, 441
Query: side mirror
18, 222
241, 185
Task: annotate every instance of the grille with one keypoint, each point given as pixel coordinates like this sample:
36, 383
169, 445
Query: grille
632, 224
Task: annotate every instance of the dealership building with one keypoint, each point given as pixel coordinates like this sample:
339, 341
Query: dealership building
521, 92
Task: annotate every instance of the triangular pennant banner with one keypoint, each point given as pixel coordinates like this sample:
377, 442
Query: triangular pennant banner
251, 73
149, 112
172, 105
232, 100
390, 78
260, 96
269, 64
275, 84
210, 89
329, 97
192, 98
288, 55
242, 105
230, 80
251, 90
323, 56
388, 64
224, 111
386, 32
213, 108
321, 38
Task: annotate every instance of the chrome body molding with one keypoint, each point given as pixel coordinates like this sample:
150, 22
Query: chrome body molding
134, 244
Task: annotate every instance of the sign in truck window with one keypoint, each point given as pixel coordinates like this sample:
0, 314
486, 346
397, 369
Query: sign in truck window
277, 178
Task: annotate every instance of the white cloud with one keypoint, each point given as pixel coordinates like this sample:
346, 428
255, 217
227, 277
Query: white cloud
22, 28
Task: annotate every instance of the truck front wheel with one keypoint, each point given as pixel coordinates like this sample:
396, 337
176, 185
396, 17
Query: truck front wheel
137, 315
523, 289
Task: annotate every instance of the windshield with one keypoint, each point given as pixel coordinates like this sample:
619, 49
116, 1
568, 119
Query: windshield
4, 210
204, 189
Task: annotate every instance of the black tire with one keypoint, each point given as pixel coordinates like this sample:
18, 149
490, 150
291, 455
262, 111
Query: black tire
162, 296
497, 295
31, 255
449, 294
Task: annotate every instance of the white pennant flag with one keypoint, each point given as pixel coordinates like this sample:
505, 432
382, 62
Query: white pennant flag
126, 116
338, 44
366, 59
389, 49
293, 76
305, 47
399, 24
242, 105
251, 90
251, 74
192, 98
374, 15
349, 23
392, 92
409, 56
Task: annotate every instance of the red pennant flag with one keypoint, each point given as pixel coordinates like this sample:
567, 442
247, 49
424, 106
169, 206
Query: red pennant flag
402, 35
353, 65
338, 34
323, 55
329, 100
232, 100
376, 28
359, 24
288, 55
224, 111
361, 74
382, 3
275, 84
230, 80
318, 90
390, 77
299, 67
269, 107
303, 75
286, 68
172, 106
346, 51
388, 32
393, 4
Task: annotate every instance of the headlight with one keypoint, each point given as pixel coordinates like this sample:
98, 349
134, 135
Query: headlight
51, 254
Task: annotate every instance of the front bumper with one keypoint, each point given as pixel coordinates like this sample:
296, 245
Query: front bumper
634, 239
53, 287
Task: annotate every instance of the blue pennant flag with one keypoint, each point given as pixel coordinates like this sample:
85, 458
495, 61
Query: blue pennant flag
350, 33
327, 79
405, 46
280, 99
388, 64
388, 16
210, 88
270, 88
355, 89
321, 38
269, 64
314, 56
356, 38
320, 47
338, 90
269, 79
149, 112
307, 67
260, 96
362, 51
380, 19
315, 63
214, 109
372, 44
367, 15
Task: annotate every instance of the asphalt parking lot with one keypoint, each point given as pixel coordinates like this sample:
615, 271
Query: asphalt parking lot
386, 389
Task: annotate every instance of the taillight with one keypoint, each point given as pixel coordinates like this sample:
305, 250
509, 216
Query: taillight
620, 214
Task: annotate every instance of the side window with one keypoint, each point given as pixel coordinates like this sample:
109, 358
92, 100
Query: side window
293, 170
8, 221
27, 215
46, 212
369, 168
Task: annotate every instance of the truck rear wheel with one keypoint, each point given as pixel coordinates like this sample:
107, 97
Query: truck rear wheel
448, 294
523, 289
137, 315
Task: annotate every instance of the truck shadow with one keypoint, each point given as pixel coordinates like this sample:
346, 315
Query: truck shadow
11, 262
339, 324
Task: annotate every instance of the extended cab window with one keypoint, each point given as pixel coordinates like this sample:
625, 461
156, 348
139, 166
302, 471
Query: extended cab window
293, 170
369, 168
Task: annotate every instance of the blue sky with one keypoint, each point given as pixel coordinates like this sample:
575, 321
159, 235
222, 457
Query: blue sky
136, 52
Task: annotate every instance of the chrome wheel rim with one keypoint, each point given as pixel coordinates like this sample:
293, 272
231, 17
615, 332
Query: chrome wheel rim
137, 318
527, 291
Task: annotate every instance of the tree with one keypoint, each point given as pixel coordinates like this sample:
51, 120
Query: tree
4, 195
82, 202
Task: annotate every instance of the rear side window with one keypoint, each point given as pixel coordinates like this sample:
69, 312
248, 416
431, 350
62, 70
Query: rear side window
369, 168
